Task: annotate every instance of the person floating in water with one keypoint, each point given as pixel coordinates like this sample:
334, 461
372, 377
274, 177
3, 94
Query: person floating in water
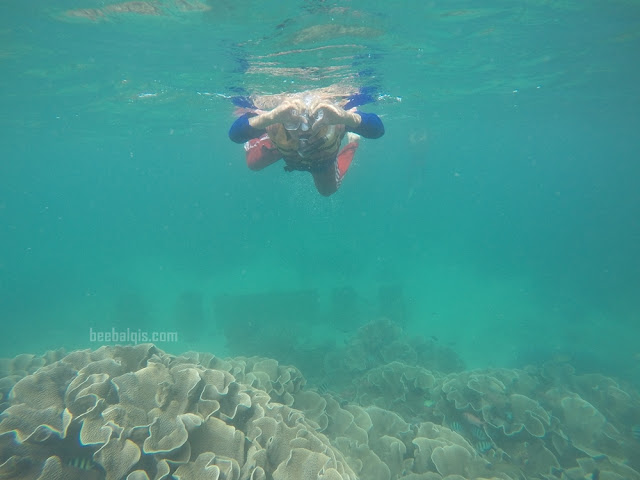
306, 130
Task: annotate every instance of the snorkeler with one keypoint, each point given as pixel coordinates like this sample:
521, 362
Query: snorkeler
307, 133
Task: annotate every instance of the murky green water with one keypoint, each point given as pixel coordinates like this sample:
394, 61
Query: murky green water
498, 215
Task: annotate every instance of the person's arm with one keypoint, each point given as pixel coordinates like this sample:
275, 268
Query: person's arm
370, 125
367, 125
242, 131
252, 125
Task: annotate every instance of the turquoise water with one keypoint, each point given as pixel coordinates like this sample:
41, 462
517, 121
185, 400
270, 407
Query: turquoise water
498, 215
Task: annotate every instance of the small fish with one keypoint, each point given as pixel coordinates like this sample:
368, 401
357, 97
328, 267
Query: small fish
484, 446
472, 419
323, 388
457, 427
635, 431
82, 463
479, 433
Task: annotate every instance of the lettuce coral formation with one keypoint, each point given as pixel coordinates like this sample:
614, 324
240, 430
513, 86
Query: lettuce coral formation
139, 413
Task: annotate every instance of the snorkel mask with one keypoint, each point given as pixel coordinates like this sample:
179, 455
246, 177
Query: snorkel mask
309, 143
304, 121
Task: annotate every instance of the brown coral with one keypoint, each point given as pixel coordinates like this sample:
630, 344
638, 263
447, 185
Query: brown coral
138, 412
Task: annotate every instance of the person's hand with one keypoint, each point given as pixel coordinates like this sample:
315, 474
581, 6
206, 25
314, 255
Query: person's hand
328, 114
289, 112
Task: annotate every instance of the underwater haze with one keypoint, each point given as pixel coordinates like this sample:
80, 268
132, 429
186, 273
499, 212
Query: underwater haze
465, 306
498, 217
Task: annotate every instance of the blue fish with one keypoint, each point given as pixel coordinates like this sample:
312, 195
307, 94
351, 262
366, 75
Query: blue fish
635, 431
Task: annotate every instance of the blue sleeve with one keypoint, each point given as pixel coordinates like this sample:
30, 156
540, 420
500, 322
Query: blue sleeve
241, 131
370, 127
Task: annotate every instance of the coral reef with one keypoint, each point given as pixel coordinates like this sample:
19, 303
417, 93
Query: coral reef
138, 413
510, 423
13, 369
380, 343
